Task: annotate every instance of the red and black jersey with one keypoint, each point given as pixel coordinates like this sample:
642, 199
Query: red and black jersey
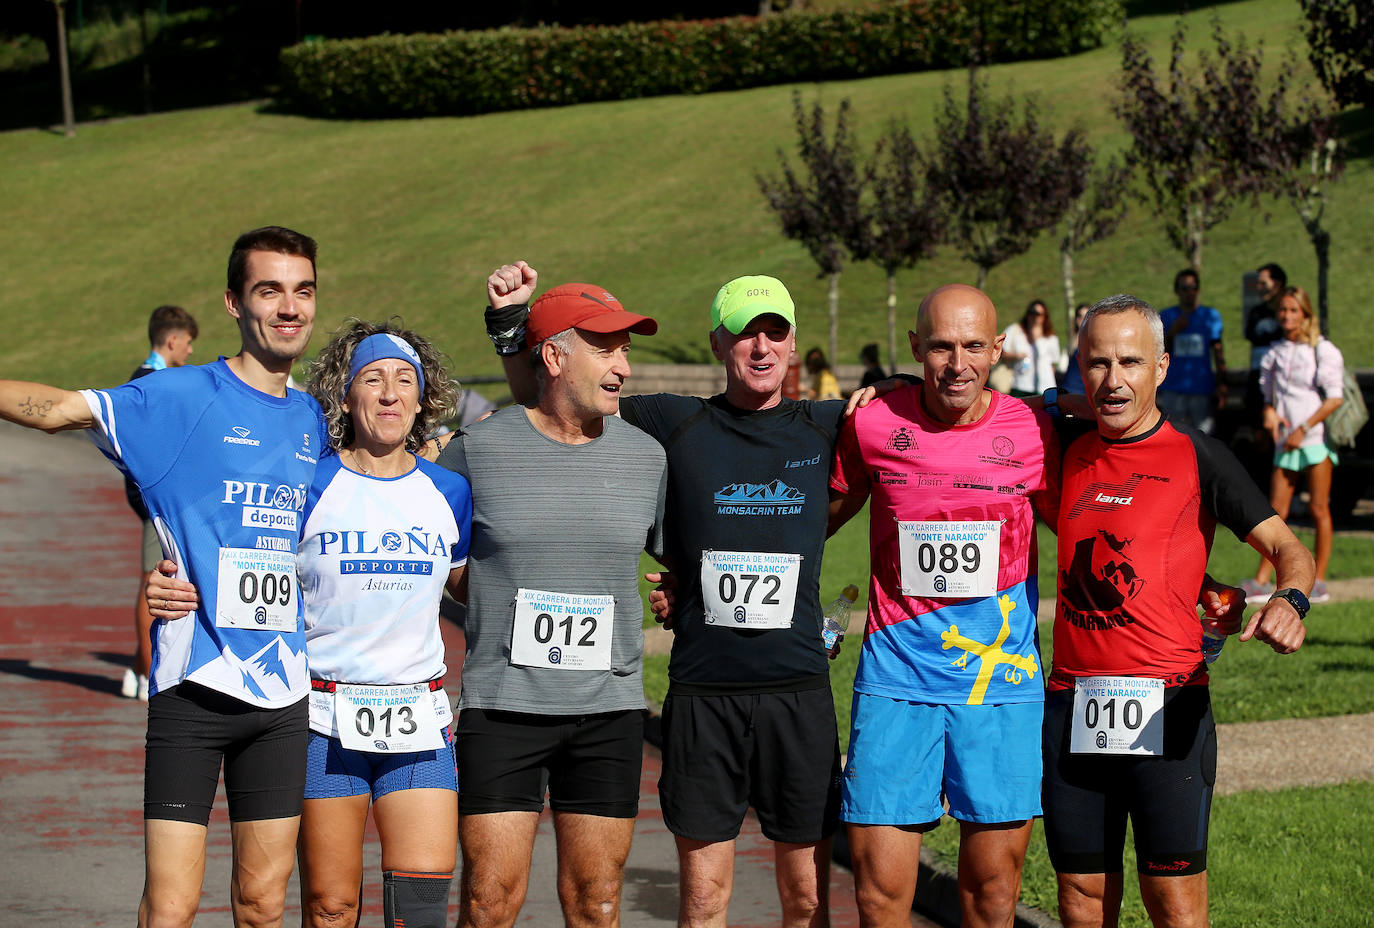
1136, 521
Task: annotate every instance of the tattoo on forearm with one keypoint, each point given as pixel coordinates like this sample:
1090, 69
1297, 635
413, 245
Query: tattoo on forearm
31, 407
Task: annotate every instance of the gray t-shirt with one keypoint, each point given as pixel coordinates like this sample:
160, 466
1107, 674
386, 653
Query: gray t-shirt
556, 520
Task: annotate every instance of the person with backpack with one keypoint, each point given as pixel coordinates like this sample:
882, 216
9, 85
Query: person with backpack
1301, 383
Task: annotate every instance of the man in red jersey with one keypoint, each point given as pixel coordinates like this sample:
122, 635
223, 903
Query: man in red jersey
1128, 721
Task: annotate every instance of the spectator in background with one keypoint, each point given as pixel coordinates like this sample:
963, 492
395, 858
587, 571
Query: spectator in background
823, 386
1072, 381
171, 330
1195, 386
1261, 331
1032, 349
873, 371
1300, 381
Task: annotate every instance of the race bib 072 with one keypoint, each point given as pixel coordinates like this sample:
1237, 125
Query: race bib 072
743, 589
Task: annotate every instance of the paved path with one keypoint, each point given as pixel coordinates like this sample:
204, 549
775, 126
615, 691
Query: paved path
71, 750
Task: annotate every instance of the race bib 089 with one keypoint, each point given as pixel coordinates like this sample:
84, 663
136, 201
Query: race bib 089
562, 631
742, 589
949, 559
256, 589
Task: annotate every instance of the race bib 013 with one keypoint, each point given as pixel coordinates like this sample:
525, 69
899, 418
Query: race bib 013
387, 719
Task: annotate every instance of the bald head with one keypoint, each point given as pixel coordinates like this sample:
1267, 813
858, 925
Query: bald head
959, 299
957, 343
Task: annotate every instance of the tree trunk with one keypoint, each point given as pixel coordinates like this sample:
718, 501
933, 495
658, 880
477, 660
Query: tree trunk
1321, 240
892, 323
834, 316
1066, 273
1195, 236
68, 113
982, 277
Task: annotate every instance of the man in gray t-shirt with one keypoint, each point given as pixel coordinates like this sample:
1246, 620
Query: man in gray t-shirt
565, 497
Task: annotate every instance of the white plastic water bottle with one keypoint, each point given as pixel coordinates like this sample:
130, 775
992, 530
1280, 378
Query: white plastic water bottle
836, 620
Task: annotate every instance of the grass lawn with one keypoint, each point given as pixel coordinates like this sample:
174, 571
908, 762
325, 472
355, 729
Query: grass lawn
654, 198
1292, 857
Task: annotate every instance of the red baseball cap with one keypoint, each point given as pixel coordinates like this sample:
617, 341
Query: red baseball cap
581, 306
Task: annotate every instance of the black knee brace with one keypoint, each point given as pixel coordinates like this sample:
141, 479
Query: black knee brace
415, 900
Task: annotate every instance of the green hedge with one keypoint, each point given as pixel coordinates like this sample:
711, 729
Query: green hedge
475, 72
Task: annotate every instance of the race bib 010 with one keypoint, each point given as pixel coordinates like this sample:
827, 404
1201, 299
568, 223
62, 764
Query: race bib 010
1118, 715
562, 631
742, 589
256, 589
949, 559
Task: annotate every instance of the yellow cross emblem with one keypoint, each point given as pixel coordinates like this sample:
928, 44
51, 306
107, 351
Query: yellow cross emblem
992, 655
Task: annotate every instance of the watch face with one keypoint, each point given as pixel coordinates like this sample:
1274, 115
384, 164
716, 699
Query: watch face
1297, 600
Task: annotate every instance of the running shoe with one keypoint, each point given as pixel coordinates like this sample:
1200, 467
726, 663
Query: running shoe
1320, 594
1256, 592
129, 688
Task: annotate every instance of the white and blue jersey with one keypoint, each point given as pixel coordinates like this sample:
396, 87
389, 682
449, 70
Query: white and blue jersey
374, 556
224, 470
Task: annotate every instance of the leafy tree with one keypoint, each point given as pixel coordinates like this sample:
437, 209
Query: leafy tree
1002, 177
1340, 40
821, 206
1096, 210
908, 217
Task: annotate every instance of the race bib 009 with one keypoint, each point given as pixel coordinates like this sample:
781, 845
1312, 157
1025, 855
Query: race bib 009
256, 589
742, 589
949, 559
562, 631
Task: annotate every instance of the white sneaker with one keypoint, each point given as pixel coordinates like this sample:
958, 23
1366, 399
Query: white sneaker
129, 687
142, 688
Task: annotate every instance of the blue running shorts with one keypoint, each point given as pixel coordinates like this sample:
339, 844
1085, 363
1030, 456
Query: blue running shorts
904, 757
331, 770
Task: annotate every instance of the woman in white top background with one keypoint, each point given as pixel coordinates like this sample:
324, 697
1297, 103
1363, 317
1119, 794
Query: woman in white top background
1032, 351
1300, 380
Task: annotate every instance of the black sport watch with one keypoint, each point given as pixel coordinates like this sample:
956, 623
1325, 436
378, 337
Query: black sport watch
1295, 598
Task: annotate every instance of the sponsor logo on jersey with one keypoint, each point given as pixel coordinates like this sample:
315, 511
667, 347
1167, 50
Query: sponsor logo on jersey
304, 454
1002, 450
266, 506
413, 541
889, 478
1105, 497
930, 480
1017, 490
971, 482
807, 463
1100, 583
759, 499
901, 440
1003, 446
240, 437
273, 543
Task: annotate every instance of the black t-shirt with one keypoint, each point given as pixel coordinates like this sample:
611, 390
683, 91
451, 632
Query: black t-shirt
743, 481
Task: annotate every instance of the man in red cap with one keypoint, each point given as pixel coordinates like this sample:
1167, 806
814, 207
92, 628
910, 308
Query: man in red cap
565, 497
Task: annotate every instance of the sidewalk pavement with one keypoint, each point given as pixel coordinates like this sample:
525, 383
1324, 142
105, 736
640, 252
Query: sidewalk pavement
71, 750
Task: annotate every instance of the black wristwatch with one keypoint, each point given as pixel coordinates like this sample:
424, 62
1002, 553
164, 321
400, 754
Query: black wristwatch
1051, 398
1294, 598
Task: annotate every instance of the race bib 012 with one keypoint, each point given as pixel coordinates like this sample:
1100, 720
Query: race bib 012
562, 631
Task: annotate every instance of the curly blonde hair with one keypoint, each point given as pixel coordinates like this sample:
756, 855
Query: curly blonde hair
327, 380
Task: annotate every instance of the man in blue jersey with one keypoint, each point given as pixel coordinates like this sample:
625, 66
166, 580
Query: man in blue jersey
222, 454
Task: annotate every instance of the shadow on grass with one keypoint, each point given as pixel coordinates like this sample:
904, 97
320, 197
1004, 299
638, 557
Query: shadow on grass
1357, 129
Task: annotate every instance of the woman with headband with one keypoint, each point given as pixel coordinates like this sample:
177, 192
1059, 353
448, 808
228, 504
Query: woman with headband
384, 532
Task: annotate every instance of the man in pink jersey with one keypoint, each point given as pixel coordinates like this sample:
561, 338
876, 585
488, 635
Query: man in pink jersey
948, 697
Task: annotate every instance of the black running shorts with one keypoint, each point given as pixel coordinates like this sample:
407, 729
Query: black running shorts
588, 764
192, 729
1087, 798
775, 751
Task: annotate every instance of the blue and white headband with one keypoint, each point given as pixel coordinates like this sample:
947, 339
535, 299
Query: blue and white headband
379, 347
